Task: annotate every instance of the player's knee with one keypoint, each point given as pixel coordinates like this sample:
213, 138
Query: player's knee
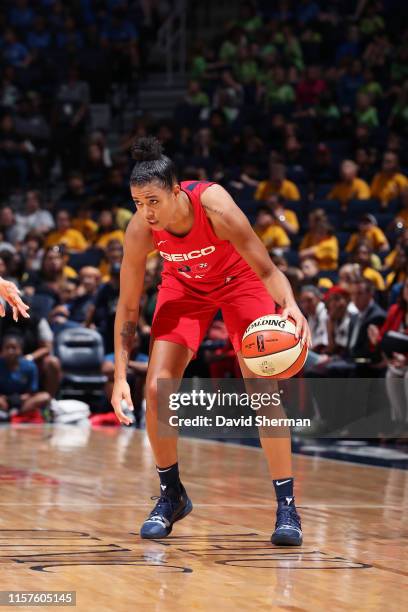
153, 383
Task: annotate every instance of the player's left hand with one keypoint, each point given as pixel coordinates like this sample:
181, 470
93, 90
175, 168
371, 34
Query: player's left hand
10, 293
302, 326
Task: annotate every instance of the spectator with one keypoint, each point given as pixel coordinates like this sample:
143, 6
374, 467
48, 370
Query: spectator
366, 113
19, 392
389, 183
350, 186
368, 231
277, 89
115, 189
37, 343
277, 184
402, 214
399, 270
113, 255
337, 301
34, 217
315, 312
89, 282
283, 217
74, 196
102, 313
369, 313
362, 255
312, 274
8, 227
273, 236
322, 168
320, 241
14, 52
84, 223
402, 242
195, 95
48, 279
95, 169
66, 235
310, 87
107, 230
32, 251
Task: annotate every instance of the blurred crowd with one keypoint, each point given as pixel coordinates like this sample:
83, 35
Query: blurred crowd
299, 109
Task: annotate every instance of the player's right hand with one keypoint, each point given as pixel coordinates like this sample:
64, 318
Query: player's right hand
121, 392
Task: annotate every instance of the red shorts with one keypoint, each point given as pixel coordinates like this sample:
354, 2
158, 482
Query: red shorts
183, 315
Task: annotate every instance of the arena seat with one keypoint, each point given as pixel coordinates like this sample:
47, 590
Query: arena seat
90, 257
40, 304
81, 353
322, 190
331, 207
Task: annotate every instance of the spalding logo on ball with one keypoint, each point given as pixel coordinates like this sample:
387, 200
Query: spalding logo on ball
270, 349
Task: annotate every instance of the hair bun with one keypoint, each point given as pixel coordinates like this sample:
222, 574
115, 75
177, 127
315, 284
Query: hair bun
146, 149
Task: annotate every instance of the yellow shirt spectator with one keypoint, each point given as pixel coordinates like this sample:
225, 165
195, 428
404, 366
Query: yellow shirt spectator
87, 227
326, 251
71, 238
375, 277
284, 188
122, 217
69, 273
394, 277
386, 187
374, 236
357, 189
103, 239
273, 236
291, 218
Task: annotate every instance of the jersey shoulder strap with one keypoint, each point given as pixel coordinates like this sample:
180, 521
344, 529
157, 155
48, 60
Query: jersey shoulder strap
196, 188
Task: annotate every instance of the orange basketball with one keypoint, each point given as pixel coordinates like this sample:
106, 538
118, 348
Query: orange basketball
270, 349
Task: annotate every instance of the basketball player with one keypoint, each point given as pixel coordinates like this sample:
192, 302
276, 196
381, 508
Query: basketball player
212, 260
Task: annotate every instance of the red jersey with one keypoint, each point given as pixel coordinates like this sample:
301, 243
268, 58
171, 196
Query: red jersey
199, 259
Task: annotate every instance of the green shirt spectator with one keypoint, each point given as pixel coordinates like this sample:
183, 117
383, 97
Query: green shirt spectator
278, 90
366, 114
228, 51
195, 96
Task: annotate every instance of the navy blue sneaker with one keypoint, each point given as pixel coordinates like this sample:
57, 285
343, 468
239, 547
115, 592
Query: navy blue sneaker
288, 530
166, 512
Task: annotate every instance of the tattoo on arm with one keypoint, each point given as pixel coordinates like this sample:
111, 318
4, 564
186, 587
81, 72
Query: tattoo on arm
218, 211
127, 335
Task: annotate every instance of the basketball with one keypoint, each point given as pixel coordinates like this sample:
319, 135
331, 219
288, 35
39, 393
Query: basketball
270, 348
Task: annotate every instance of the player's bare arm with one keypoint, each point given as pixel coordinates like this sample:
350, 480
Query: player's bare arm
138, 243
230, 223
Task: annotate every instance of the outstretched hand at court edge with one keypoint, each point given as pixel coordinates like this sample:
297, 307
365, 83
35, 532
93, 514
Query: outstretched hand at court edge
302, 326
10, 294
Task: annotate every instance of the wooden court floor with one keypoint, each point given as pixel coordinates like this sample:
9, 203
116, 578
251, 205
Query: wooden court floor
72, 501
